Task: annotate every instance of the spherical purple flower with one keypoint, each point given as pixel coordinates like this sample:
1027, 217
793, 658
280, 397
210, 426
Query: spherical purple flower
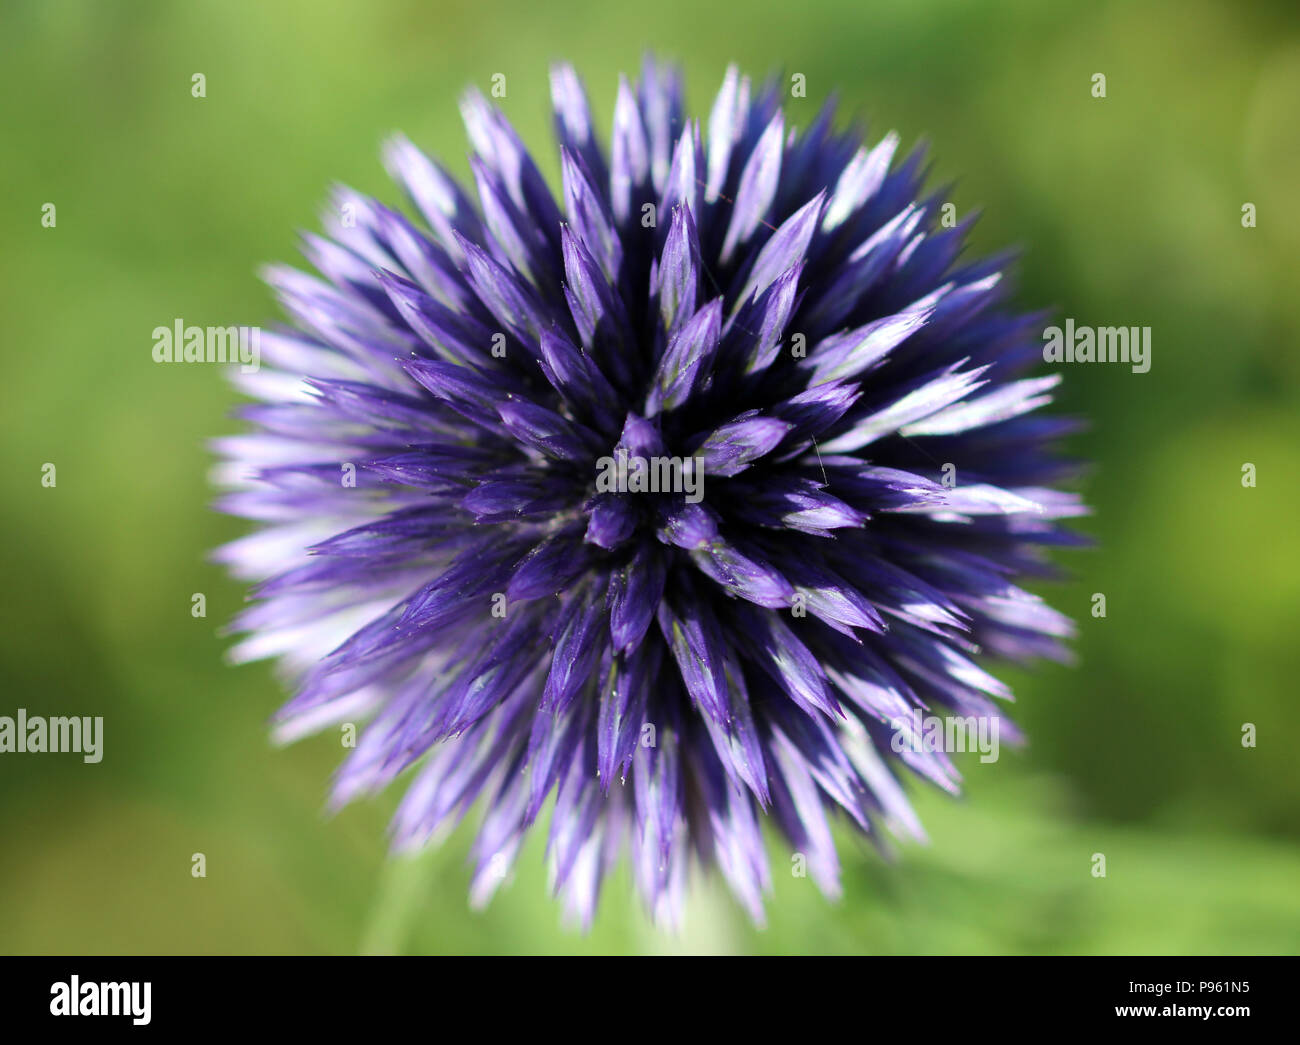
674, 498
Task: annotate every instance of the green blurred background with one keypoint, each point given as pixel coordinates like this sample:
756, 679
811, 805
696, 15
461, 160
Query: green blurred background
1129, 210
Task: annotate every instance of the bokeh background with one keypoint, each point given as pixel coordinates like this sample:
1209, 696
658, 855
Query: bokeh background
1129, 212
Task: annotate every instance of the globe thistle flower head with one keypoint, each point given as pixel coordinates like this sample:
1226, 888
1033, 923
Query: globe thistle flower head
662, 501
